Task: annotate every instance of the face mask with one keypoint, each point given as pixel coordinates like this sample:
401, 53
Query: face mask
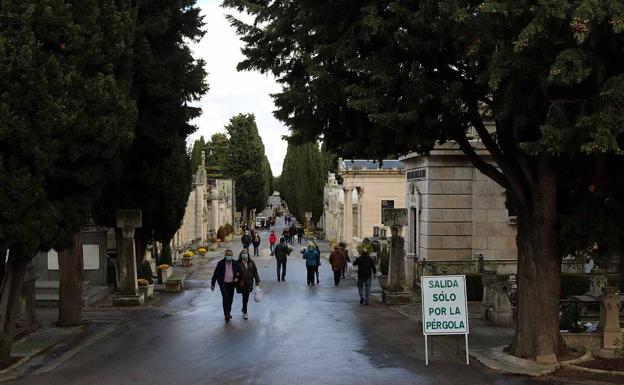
244, 256
228, 257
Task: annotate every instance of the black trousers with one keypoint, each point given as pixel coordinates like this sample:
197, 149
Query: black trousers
337, 275
245, 295
281, 265
311, 274
227, 293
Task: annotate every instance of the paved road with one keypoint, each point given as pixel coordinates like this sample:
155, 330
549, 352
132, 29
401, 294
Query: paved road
297, 335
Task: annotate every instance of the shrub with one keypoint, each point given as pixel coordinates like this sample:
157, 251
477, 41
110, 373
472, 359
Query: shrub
228, 229
165, 256
213, 239
221, 233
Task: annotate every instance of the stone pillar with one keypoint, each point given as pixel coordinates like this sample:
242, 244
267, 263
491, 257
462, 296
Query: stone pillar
396, 269
127, 221
609, 318
394, 293
348, 215
215, 212
598, 282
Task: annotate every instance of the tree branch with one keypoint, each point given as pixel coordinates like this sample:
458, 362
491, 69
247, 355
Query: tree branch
486, 168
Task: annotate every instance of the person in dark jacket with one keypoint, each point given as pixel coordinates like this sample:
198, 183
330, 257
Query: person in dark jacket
248, 275
300, 234
312, 257
246, 240
366, 270
226, 273
292, 232
345, 251
281, 255
256, 245
337, 261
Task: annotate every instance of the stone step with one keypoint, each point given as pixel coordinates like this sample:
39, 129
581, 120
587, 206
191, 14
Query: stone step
91, 294
52, 287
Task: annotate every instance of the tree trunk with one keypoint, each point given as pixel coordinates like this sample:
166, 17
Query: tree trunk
141, 240
539, 272
10, 292
70, 286
3, 253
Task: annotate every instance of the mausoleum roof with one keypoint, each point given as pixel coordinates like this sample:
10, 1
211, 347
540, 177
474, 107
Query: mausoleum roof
363, 164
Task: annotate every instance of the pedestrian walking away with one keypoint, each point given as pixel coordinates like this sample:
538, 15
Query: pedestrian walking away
300, 234
256, 245
337, 261
292, 231
366, 270
343, 248
226, 273
272, 242
248, 276
312, 258
246, 240
282, 250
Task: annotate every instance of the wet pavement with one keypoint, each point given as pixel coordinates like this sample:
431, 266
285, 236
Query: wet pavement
296, 335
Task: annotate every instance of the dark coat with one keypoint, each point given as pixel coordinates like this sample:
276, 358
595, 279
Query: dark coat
281, 251
246, 238
366, 267
249, 274
219, 272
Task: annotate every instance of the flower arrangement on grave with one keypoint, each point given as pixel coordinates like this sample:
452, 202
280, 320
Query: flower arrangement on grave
190, 254
201, 250
214, 240
164, 266
143, 282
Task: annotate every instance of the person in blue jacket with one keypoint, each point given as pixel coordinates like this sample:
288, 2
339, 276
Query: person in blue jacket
312, 257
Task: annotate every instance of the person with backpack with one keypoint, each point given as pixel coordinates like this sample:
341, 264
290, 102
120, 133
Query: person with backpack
366, 270
282, 250
256, 245
248, 275
312, 258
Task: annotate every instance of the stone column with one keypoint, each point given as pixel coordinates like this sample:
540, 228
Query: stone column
609, 318
597, 282
348, 215
215, 212
127, 221
396, 268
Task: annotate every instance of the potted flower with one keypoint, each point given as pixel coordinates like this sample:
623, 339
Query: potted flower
214, 243
164, 272
201, 250
146, 288
187, 258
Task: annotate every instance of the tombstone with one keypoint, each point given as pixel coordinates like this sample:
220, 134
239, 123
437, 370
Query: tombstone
394, 293
598, 282
495, 305
609, 318
128, 221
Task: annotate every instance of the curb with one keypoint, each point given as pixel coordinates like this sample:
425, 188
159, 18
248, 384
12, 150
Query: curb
572, 364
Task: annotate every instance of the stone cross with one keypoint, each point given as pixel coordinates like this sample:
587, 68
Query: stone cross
128, 221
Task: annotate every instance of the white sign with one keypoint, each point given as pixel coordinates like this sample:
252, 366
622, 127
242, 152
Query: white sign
91, 257
444, 307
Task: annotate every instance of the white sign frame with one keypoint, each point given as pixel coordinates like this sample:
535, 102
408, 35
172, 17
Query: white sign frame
425, 292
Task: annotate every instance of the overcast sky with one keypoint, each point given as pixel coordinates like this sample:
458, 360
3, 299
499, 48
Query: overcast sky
233, 92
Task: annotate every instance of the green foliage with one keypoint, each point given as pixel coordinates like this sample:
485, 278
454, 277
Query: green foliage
65, 114
245, 162
165, 255
199, 146
157, 172
302, 179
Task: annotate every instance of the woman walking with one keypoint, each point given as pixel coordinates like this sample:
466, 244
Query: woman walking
256, 245
248, 274
337, 261
312, 257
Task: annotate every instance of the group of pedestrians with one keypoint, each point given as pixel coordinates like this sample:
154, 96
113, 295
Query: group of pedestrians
241, 275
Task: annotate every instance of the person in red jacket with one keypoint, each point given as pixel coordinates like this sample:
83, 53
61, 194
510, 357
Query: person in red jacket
337, 261
272, 241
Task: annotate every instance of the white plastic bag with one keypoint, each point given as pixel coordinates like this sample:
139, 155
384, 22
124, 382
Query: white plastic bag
349, 269
258, 295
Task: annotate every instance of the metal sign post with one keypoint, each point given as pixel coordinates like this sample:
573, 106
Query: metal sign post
444, 308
